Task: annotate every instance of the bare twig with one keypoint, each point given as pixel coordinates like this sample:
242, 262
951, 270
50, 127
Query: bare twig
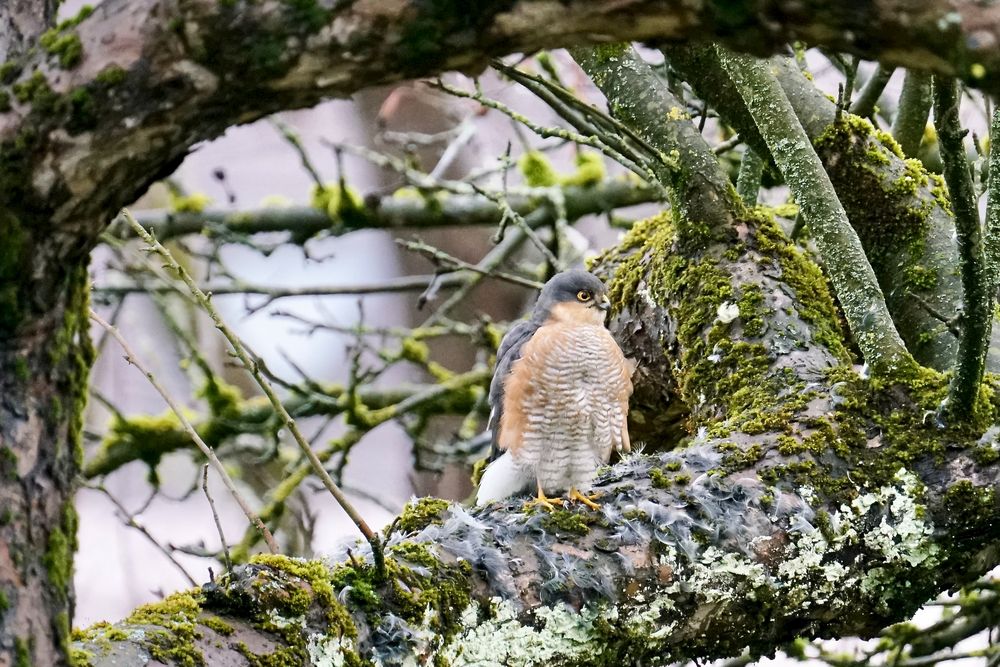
390, 285
253, 368
131, 357
441, 258
130, 521
215, 516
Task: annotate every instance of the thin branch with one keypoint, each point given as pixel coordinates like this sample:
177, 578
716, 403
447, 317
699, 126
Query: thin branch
440, 257
129, 519
865, 103
254, 369
132, 359
992, 252
977, 300
748, 179
852, 276
215, 516
911, 117
388, 286
292, 137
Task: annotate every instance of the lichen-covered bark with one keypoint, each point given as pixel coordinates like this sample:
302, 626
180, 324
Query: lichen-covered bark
43, 382
899, 210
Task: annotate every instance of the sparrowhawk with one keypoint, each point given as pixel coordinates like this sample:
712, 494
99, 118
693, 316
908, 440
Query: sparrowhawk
559, 395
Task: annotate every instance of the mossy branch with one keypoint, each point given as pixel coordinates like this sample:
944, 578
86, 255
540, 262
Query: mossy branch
403, 210
852, 276
977, 297
899, 210
912, 112
701, 193
149, 439
992, 251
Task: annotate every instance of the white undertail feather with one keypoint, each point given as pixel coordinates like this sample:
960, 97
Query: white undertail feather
502, 479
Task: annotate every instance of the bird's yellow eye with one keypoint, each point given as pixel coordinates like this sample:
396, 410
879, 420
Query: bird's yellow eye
584, 295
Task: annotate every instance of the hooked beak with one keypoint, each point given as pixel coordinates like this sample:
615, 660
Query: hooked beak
604, 304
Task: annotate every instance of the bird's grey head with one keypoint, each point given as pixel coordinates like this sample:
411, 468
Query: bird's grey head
576, 294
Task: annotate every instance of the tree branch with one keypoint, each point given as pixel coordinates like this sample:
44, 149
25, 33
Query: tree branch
977, 297
899, 210
398, 211
852, 276
911, 117
867, 99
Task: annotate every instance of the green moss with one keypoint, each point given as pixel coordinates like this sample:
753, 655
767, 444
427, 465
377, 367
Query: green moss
170, 628
969, 509
890, 210
309, 16
589, 170
194, 203
537, 170
21, 370
4, 101
79, 657
568, 521
4, 602
63, 42
713, 367
420, 513
36, 90
9, 71
16, 246
22, 652
736, 458
66, 46
985, 455
218, 625
343, 204
921, 277
8, 463
111, 76
752, 310
60, 547
82, 111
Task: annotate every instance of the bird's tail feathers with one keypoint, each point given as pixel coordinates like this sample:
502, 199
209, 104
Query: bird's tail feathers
502, 478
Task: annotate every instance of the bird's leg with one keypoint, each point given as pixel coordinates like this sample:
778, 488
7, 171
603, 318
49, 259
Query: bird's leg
542, 501
574, 494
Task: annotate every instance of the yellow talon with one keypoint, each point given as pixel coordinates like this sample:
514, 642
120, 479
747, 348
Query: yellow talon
586, 500
542, 501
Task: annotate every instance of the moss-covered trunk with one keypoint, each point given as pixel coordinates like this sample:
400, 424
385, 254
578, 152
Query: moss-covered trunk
45, 355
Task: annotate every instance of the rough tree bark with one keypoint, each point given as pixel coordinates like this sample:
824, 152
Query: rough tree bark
102, 106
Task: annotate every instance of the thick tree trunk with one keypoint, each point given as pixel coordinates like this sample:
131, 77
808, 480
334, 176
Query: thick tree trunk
44, 361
